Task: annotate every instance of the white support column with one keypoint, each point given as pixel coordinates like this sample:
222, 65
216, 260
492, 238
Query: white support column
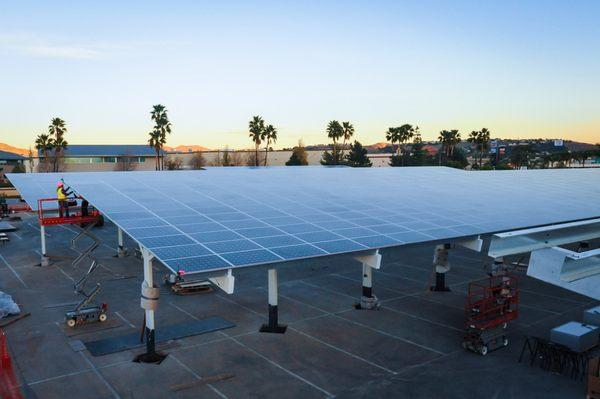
45, 259
367, 281
441, 266
149, 302
120, 249
148, 283
369, 262
273, 326
272, 284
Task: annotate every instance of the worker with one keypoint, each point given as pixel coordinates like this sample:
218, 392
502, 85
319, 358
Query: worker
62, 195
84, 208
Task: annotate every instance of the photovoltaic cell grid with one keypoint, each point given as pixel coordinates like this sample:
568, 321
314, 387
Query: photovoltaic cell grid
35, 186
200, 221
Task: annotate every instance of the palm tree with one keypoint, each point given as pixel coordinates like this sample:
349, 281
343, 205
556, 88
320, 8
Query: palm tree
548, 161
400, 135
474, 139
522, 155
582, 156
256, 128
443, 139
60, 144
44, 143
449, 139
348, 132
156, 142
57, 128
158, 136
480, 139
335, 131
269, 135
484, 143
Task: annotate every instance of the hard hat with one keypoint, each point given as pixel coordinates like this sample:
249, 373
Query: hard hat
60, 184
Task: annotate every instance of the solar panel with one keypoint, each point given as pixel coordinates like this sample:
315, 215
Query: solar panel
221, 218
35, 186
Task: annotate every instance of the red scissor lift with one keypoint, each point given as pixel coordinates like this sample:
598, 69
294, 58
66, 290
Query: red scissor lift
50, 216
491, 304
85, 217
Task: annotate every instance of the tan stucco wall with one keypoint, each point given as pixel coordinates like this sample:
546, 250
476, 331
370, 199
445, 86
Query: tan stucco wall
275, 158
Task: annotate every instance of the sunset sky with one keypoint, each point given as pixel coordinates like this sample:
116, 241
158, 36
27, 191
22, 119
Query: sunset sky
522, 68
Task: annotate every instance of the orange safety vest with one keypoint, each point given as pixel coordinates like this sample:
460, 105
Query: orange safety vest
60, 194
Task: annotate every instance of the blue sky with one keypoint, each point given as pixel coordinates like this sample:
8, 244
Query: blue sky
520, 68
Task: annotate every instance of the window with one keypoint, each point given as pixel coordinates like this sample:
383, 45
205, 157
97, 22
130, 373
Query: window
78, 160
110, 159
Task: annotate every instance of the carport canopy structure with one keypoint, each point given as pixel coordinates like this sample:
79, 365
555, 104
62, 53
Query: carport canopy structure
220, 219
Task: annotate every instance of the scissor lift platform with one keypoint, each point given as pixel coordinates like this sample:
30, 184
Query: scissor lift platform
51, 216
491, 304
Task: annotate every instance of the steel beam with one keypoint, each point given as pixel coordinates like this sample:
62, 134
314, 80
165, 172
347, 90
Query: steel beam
575, 271
527, 240
475, 244
226, 282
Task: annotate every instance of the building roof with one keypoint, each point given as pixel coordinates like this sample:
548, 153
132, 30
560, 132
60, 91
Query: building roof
107, 150
6, 156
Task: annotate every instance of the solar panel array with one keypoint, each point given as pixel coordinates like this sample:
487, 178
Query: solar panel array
35, 186
222, 218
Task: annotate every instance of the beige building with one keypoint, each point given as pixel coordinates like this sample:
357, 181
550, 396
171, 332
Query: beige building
94, 158
97, 158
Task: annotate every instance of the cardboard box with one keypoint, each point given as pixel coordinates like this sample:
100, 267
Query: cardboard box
592, 316
593, 383
578, 337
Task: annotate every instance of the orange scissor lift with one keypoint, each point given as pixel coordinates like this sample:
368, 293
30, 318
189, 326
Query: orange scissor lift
85, 217
491, 304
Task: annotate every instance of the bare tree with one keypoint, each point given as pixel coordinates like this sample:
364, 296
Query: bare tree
173, 163
197, 161
236, 158
125, 163
30, 162
251, 159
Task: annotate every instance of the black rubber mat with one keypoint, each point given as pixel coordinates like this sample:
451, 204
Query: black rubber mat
163, 333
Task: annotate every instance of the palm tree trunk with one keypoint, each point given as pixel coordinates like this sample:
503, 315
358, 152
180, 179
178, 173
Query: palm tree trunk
334, 152
266, 152
256, 154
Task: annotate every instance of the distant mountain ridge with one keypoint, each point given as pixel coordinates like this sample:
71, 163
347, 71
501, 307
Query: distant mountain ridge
14, 150
186, 148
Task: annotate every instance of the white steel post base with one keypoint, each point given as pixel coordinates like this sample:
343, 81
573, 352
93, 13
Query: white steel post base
273, 326
149, 302
368, 301
45, 260
442, 266
121, 252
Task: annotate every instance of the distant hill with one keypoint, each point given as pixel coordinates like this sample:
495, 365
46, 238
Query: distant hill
186, 148
14, 150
